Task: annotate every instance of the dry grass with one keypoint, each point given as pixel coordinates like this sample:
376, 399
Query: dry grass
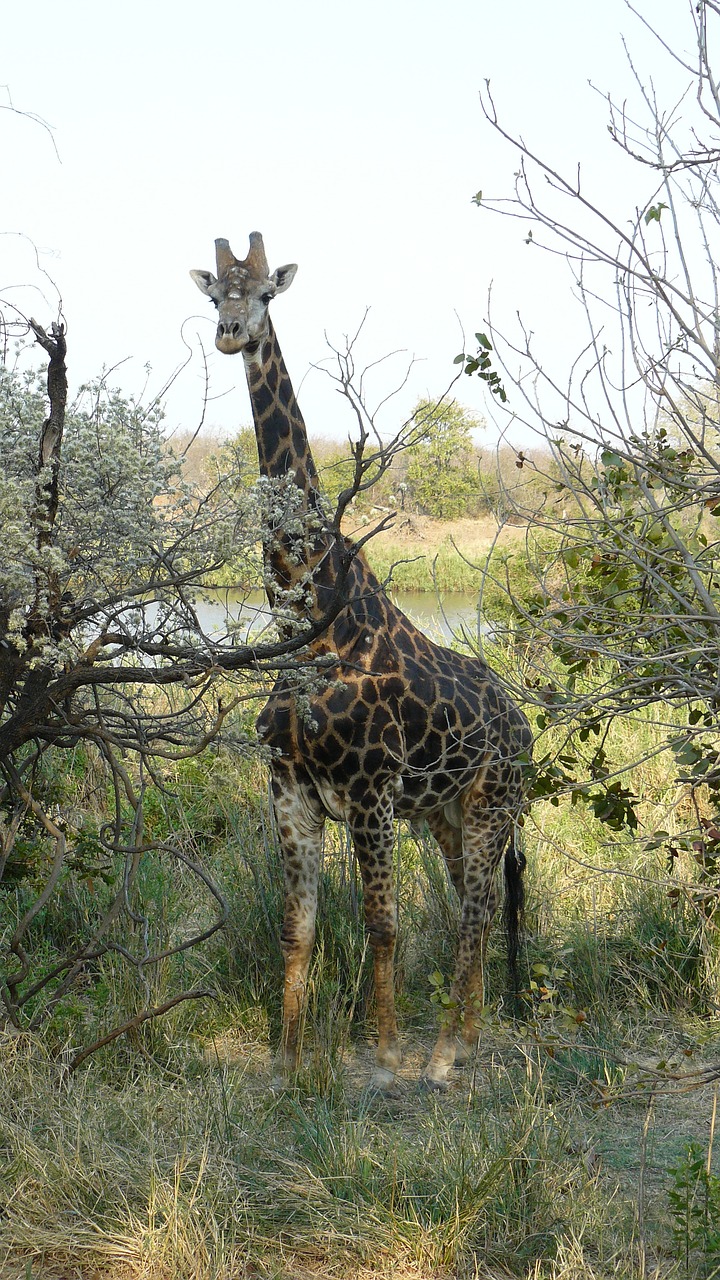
421, 554
198, 1170
424, 536
549, 1158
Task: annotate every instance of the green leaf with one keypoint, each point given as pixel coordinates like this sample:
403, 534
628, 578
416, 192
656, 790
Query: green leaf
654, 213
611, 459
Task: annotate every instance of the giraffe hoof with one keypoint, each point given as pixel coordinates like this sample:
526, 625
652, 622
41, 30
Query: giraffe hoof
384, 1082
393, 1093
426, 1084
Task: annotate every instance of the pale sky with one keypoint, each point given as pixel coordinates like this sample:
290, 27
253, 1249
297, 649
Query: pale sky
350, 135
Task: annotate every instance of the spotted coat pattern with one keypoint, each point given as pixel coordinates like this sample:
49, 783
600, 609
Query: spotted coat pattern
400, 727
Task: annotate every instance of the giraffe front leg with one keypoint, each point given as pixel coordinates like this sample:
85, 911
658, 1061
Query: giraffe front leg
373, 837
299, 822
383, 932
296, 941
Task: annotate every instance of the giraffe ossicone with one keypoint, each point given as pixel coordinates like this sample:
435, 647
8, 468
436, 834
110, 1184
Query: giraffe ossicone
400, 727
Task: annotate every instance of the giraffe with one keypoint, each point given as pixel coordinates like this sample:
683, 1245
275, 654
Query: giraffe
400, 728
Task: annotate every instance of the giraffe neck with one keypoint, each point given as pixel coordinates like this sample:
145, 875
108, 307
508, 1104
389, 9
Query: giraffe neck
282, 442
300, 537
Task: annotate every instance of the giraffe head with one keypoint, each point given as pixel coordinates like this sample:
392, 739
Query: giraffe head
242, 293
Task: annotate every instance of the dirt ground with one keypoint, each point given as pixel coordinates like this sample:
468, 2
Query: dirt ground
427, 535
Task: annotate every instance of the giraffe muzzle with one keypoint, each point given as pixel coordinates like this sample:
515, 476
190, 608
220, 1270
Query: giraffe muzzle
231, 337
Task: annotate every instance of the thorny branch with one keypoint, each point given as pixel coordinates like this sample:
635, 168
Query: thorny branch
373, 462
624, 615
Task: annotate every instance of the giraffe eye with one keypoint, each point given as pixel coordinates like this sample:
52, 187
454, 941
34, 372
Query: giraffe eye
265, 298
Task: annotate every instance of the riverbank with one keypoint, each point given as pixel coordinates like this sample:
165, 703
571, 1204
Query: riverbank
419, 555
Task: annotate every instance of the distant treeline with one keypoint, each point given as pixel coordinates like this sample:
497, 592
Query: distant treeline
444, 473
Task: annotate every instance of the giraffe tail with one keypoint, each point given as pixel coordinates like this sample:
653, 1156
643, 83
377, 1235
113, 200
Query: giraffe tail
513, 911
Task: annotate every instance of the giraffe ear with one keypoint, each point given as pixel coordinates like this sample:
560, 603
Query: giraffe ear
283, 277
204, 280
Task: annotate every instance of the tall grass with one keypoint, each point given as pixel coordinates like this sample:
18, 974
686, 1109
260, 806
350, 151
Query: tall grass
207, 1174
168, 1155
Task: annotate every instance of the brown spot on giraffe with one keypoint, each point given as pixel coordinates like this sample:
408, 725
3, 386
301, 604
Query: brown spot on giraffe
402, 728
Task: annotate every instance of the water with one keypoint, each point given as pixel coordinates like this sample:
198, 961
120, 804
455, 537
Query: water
438, 619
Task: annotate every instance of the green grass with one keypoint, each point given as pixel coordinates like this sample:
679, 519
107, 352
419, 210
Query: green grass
446, 556
455, 567
409, 571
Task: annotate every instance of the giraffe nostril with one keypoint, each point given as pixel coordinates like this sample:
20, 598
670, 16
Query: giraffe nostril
231, 335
